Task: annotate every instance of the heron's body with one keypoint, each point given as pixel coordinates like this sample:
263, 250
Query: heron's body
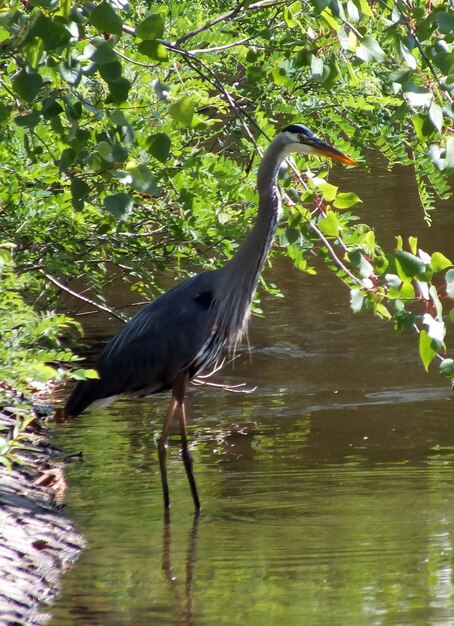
182, 333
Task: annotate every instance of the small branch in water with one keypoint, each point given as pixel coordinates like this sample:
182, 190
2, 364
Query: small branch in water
239, 388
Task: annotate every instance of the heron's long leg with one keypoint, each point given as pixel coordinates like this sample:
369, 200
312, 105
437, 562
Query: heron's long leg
178, 390
162, 450
187, 458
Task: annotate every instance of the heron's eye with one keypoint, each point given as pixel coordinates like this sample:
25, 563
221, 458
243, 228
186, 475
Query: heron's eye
301, 137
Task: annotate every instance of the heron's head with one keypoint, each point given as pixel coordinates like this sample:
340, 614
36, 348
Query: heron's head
299, 138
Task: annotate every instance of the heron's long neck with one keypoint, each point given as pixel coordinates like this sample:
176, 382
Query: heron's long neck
242, 272
252, 253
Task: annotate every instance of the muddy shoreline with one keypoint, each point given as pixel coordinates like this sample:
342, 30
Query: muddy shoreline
37, 541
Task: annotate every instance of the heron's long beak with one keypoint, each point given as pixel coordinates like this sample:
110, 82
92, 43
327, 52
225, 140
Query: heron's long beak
323, 149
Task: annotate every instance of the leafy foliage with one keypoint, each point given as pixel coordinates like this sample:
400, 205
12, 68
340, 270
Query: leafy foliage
30, 348
125, 130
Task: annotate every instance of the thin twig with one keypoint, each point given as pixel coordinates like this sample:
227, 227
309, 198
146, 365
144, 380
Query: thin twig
225, 47
73, 293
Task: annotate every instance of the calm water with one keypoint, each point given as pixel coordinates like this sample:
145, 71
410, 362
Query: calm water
327, 493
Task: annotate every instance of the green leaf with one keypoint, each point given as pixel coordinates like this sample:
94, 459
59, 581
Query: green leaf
370, 50
28, 121
447, 367
358, 260
120, 205
293, 235
409, 265
27, 84
427, 351
152, 27
84, 374
65, 8
79, 191
67, 158
158, 145
407, 55
110, 71
118, 89
413, 243
404, 320
71, 71
182, 111
33, 52
445, 62
143, 180
417, 96
329, 225
105, 19
346, 200
439, 262
328, 191
100, 51
445, 21
51, 31
154, 50
436, 116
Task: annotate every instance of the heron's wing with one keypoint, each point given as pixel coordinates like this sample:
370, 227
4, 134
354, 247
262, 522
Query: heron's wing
157, 343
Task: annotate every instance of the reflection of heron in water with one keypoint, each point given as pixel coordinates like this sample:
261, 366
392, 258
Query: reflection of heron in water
185, 603
182, 333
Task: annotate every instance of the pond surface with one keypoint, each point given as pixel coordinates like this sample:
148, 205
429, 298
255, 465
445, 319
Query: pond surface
327, 493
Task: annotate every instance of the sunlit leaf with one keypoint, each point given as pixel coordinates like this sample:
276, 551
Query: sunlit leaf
416, 95
407, 55
65, 8
356, 300
328, 191
436, 116
153, 49
449, 159
427, 349
436, 329
359, 261
370, 50
345, 200
143, 180
84, 374
439, 262
183, 111
329, 225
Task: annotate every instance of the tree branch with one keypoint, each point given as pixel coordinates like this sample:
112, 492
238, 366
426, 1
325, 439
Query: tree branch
79, 296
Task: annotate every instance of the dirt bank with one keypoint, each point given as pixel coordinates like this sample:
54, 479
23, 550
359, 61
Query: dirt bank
37, 541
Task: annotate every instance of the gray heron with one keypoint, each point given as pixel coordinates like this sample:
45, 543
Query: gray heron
182, 333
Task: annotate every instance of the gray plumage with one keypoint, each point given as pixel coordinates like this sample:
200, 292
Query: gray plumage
183, 332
